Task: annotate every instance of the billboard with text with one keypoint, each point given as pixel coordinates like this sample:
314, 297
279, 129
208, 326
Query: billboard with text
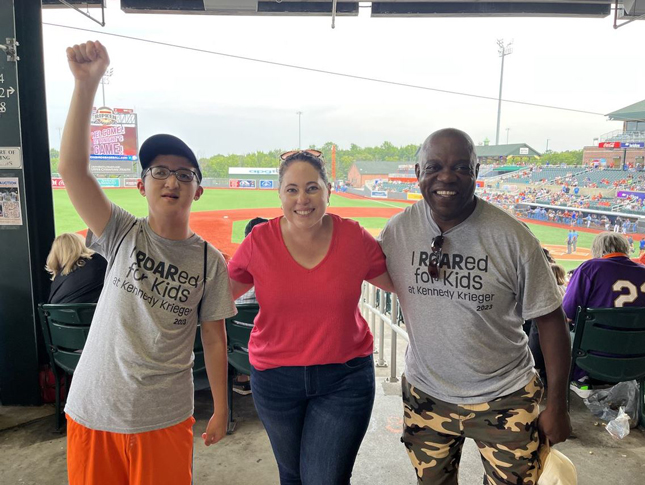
114, 143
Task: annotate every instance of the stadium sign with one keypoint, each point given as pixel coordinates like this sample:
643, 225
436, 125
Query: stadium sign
252, 171
633, 144
111, 183
242, 184
414, 196
609, 144
267, 184
379, 194
114, 144
622, 194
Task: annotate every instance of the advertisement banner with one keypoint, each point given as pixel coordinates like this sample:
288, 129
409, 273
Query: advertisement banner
379, 194
242, 183
524, 151
414, 196
252, 171
633, 144
114, 144
111, 183
622, 194
130, 182
267, 184
57, 183
609, 144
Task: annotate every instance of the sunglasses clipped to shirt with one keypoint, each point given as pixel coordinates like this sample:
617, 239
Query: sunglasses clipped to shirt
160, 172
310, 151
435, 257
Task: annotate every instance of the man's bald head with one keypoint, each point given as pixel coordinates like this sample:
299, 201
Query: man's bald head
451, 133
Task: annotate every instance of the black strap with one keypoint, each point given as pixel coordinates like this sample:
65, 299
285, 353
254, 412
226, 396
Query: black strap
121, 241
199, 306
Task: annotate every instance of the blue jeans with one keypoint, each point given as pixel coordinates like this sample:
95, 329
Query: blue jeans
316, 418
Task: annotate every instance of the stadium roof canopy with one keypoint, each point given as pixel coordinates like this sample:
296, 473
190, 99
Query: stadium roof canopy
512, 150
633, 112
390, 8
379, 168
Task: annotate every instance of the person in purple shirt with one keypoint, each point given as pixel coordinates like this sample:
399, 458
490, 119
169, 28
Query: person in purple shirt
610, 280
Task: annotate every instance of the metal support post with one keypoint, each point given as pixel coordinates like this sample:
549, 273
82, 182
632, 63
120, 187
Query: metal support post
393, 347
381, 328
372, 318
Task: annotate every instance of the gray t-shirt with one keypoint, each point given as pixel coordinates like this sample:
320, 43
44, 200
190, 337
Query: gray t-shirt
135, 372
466, 340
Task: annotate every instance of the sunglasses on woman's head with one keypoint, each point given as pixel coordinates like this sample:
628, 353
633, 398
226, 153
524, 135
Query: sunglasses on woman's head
310, 151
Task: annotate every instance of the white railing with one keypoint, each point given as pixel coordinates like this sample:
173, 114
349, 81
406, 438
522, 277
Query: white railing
373, 314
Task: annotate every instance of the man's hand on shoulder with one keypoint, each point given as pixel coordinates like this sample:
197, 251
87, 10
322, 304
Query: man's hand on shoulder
88, 61
554, 425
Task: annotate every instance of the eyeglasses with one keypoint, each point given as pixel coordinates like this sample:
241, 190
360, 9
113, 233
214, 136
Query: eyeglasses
162, 173
435, 257
315, 153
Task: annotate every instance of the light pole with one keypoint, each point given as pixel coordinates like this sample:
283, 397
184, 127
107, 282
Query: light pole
507, 130
547, 146
299, 113
106, 80
503, 50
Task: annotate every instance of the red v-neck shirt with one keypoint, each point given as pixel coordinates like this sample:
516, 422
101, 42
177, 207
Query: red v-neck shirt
308, 316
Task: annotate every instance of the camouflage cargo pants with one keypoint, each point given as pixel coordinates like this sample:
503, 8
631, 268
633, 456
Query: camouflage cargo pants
504, 429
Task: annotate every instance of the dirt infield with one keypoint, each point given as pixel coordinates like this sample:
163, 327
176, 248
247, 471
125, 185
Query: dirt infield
217, 226
560, 252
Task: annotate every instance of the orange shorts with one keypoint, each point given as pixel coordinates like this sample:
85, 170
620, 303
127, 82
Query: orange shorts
159, 457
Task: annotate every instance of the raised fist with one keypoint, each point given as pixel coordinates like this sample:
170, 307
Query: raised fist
88, 61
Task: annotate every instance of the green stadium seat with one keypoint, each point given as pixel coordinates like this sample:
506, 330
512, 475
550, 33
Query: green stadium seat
609, 344
238, 332
65, 329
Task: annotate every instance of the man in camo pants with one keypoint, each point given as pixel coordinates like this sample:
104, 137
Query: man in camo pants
467, 275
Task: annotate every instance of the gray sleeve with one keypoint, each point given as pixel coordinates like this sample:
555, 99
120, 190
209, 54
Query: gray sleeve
538, 292
119, 224
217, 302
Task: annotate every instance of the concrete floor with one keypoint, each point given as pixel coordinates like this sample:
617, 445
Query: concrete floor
32, 454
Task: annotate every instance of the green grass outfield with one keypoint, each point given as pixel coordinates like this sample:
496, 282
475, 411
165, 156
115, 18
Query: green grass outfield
67, 220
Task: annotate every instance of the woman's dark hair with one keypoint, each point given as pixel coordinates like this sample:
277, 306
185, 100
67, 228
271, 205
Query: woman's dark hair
317, 162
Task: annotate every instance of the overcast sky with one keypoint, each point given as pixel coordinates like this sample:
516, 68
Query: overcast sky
220, 104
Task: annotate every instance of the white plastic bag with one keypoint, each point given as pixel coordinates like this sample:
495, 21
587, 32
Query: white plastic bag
618, 427
556, 468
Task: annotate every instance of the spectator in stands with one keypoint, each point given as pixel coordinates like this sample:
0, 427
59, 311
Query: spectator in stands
249, 297
242, 384
608, 280
534, 336
130, 406
312, 372
600, 282
465, 293
77, 271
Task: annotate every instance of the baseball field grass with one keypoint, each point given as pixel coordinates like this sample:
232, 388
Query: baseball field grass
66, 219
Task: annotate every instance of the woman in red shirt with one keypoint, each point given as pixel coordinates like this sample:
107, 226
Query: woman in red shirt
312, 372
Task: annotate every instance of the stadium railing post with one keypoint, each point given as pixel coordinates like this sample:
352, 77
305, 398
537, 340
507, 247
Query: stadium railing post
393, 347
381, 328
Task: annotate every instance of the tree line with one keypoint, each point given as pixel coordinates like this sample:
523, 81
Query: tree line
217, 166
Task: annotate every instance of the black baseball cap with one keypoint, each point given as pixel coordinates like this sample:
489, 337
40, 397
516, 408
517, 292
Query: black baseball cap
164, 144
